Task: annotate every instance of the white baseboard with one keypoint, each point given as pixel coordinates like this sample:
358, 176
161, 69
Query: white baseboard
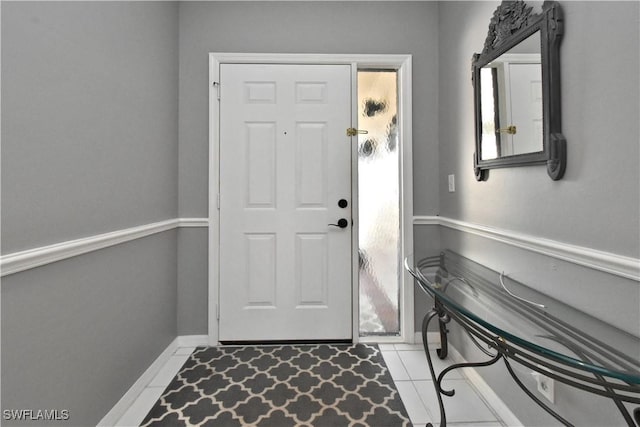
114, 415
193, 340
432, 338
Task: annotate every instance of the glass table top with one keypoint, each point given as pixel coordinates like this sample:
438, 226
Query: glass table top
529, 319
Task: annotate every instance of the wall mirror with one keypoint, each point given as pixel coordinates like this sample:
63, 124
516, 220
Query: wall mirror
516, 85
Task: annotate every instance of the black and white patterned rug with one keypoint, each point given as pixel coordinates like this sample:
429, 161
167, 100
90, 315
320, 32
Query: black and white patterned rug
286, 385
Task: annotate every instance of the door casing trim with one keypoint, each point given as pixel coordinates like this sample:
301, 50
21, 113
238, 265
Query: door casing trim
401, 63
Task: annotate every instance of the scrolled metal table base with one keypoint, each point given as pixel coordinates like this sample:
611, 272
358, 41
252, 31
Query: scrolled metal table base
501, 353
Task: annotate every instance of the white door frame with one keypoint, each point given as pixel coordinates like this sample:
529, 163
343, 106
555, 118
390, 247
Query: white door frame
401, 63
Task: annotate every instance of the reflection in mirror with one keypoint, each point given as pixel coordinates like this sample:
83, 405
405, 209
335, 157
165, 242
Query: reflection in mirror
516, 91
511, 101
489, 104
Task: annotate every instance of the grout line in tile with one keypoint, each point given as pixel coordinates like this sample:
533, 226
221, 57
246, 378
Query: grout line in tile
418, 413
497, 422
395, 366
408, 347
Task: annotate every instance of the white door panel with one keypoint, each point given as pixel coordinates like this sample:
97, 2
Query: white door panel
526, 107
285, 274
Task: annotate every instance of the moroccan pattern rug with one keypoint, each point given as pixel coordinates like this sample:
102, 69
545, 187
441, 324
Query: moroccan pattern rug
280, 386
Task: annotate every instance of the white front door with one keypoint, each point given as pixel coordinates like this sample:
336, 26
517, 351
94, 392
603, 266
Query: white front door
285, 162
523, 108
526, 107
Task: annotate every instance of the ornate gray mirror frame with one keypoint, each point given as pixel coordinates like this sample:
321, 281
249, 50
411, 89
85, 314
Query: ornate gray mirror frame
511, 24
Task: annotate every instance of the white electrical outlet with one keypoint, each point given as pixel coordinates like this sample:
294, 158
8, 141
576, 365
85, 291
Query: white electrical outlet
546, 386
452, 183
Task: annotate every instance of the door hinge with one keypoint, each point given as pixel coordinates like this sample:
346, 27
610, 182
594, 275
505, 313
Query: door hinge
354, 132
217, 312
218, 201
217, 86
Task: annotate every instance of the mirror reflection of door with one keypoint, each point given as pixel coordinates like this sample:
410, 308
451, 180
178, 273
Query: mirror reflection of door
511, 102
525, 88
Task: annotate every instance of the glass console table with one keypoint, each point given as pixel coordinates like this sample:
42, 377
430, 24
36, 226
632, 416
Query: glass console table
510, 321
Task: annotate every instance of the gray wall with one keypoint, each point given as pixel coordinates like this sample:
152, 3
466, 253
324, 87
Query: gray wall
89, 145
97, 95
596, 204
193, 303
76, 334
426, 242
295, 27
89, 106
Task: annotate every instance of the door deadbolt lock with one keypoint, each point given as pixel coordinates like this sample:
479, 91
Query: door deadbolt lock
343, 203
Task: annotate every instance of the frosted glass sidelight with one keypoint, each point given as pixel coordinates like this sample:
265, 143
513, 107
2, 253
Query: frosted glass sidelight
379, 203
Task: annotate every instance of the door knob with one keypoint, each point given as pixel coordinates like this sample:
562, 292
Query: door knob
342, 223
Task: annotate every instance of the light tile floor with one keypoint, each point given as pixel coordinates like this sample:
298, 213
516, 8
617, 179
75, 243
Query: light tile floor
407, 364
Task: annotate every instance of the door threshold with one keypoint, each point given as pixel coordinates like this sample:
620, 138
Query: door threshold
285, 342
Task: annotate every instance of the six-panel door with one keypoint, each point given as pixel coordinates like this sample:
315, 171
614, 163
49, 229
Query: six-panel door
285, 162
